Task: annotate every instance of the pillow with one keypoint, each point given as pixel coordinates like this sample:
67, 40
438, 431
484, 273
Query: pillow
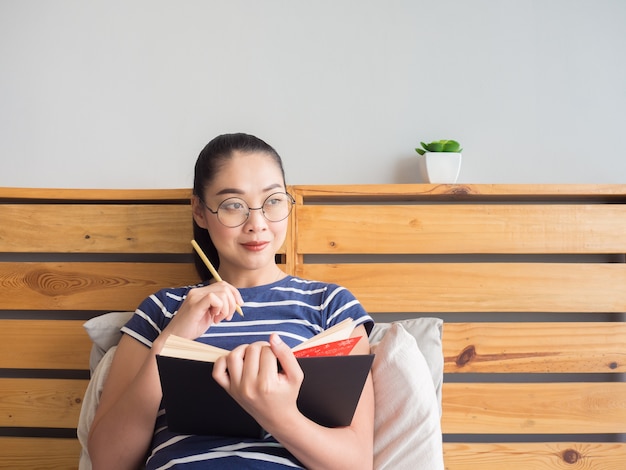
407, 428
104, 331
427, 333
403, 435
90, 403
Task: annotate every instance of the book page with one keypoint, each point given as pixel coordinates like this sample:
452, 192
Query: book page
341, 330
183, 348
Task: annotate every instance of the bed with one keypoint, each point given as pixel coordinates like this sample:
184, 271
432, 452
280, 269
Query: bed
527, 281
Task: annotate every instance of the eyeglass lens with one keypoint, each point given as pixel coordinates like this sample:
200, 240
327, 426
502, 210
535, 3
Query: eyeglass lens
234, 211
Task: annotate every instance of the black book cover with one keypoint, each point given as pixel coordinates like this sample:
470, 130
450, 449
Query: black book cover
197, 404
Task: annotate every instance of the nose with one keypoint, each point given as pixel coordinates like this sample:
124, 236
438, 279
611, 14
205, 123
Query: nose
256, 219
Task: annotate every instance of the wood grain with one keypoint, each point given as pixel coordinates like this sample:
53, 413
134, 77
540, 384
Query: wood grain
45, 403
44, 344
452, 229
87, 286
110, 195
479, 287
535, 456
534, 408
460, 192
28, 453
597, 347
71, 228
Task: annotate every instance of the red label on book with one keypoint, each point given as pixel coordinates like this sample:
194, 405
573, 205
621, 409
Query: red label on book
334, 348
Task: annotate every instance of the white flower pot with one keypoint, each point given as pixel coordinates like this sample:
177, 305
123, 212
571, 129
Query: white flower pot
441, 167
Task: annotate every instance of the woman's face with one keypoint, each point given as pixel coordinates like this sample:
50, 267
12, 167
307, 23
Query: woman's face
252, 245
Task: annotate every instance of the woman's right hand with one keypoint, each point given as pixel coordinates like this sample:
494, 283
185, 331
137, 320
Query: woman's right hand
203, 307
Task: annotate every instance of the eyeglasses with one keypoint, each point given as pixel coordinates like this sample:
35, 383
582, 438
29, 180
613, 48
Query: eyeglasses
234, 211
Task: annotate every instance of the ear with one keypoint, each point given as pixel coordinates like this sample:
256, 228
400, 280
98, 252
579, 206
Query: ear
197, 209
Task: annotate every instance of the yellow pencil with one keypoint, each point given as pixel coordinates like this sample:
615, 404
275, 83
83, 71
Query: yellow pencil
211, 268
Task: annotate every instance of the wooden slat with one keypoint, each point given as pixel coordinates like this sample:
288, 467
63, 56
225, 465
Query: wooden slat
460, 191
472, 228
44, 403
18, 453
44, 344
68, 194
534, 408
28, 453
535, 456
551, 226
479, 287
534, 347
43, 228
87, 286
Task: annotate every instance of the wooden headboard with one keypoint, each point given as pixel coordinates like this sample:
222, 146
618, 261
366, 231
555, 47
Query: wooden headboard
529, 279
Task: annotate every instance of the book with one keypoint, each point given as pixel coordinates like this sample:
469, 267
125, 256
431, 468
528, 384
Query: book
196, 404
334, 341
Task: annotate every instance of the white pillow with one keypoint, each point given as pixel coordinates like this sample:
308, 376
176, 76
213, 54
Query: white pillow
407, 428
90, 404
104, 331
427, 332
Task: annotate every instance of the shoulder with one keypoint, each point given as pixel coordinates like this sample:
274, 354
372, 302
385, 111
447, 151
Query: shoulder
310, 284
313, 289
335, 300
329, 289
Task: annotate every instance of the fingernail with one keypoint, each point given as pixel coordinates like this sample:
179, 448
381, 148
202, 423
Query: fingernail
275, 339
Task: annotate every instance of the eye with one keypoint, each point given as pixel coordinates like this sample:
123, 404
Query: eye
233, 205
275, 200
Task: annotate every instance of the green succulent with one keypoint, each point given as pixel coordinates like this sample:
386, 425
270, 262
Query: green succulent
439, 146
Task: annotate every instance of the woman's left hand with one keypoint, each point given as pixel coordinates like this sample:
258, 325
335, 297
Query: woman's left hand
250, 374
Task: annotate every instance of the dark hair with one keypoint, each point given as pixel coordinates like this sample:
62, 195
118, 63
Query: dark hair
211, 159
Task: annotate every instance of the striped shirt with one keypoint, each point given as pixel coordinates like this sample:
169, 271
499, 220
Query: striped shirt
296, 309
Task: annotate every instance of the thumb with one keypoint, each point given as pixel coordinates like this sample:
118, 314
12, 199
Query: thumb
286, 359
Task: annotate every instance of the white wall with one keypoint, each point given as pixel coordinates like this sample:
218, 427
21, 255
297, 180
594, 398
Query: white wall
125, 93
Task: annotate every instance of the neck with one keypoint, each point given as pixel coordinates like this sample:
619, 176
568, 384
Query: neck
251, 278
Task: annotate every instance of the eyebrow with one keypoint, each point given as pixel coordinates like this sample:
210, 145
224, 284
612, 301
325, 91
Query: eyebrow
240, 192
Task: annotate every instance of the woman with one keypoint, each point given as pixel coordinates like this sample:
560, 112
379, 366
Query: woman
240, 211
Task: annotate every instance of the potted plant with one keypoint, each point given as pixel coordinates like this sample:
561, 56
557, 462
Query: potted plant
441, 160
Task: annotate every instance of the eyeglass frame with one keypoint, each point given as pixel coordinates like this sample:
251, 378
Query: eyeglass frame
290, 198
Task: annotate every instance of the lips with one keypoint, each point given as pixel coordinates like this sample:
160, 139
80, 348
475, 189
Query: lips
255, 246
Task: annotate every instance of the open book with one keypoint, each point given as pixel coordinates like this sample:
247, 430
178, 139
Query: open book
196, 404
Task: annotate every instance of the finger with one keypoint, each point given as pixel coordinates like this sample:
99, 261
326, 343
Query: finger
237, 298
217, 307
206, 301
234, 364
285, 357
251, 362
220, 373
231, 295
268, 365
